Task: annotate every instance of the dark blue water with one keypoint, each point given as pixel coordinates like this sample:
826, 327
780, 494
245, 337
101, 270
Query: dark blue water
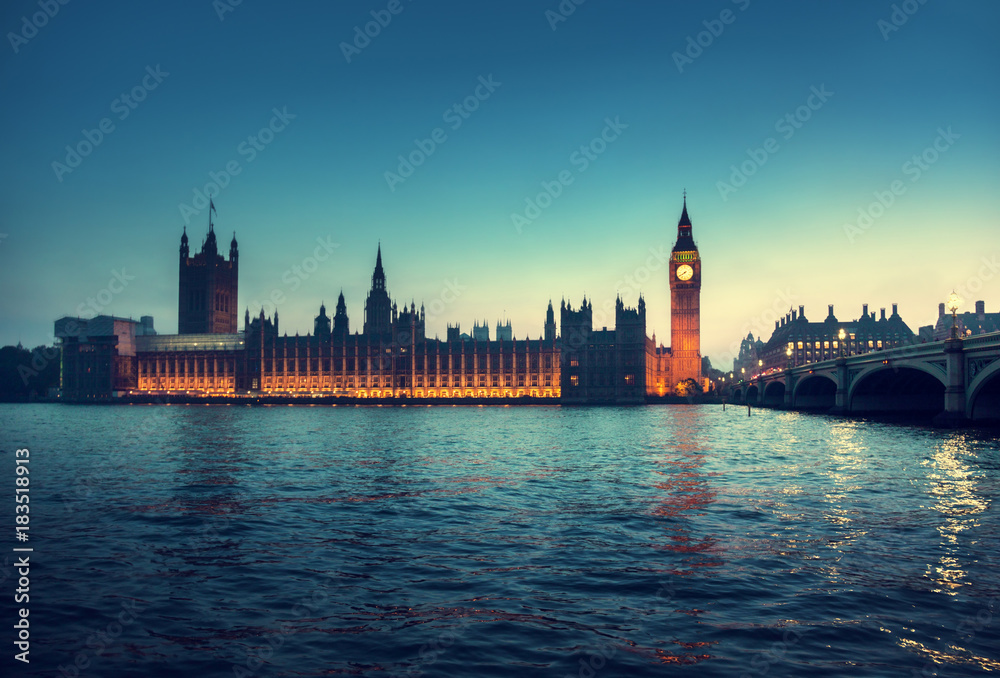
317, 541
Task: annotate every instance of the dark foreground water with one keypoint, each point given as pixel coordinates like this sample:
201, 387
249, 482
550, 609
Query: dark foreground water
449, 541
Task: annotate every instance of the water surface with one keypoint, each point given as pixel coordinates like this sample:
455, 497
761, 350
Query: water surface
491, 541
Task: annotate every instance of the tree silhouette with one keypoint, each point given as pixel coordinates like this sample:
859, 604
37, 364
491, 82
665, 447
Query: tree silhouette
27, 375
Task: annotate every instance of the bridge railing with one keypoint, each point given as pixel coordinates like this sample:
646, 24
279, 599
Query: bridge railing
980, 340
878, 354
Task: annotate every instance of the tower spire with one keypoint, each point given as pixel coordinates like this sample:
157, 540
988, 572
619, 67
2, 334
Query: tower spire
685, 220
378, 276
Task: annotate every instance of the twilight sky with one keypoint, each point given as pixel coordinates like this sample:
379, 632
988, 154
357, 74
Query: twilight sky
785, 124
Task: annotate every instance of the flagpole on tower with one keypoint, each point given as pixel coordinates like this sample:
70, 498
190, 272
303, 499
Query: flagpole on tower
211, 208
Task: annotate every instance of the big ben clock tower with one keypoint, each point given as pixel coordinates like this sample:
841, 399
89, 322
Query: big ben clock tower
685, 304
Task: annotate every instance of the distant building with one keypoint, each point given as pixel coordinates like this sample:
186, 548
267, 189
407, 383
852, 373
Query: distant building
603, 366
815, 341
505, 332
98, 355
480, 332
969, 324
391, 357
208, 287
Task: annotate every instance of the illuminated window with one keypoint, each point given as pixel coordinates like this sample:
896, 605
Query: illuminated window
800, 345
573, 362
574, 380
629, 379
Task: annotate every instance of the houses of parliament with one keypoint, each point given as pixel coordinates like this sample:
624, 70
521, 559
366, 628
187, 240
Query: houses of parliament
391, 358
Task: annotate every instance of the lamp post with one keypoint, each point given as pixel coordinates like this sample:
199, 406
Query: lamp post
953, 303
788, 354
842, 335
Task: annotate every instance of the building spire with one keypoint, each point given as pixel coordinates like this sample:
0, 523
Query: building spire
378, 276
685, 220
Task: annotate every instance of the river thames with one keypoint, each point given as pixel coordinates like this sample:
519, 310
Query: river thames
502, 541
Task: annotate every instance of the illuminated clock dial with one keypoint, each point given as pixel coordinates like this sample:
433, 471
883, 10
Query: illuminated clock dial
684, 272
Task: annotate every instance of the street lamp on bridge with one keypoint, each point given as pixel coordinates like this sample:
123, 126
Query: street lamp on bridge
953, 303
842, 335
788, 353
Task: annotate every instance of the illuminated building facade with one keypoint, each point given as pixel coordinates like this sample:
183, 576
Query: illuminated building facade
685, 304
392, 358
817, 341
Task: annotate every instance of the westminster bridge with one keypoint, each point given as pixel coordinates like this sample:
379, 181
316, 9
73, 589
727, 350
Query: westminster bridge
955, 381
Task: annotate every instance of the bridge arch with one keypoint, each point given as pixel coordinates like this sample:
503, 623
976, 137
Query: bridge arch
774, 393
752, 394
983, 403
815, 392
910, 387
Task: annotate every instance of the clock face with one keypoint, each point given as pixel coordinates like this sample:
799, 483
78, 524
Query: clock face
684, 272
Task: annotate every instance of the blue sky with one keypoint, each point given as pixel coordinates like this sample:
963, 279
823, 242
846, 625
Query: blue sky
793, 225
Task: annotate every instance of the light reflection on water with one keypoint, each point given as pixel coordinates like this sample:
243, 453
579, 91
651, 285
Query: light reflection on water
508, 541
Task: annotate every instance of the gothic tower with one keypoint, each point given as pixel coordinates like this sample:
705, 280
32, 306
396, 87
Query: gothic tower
685, 304
378, 308
550, 323
321, 325
340, 321
208, 286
